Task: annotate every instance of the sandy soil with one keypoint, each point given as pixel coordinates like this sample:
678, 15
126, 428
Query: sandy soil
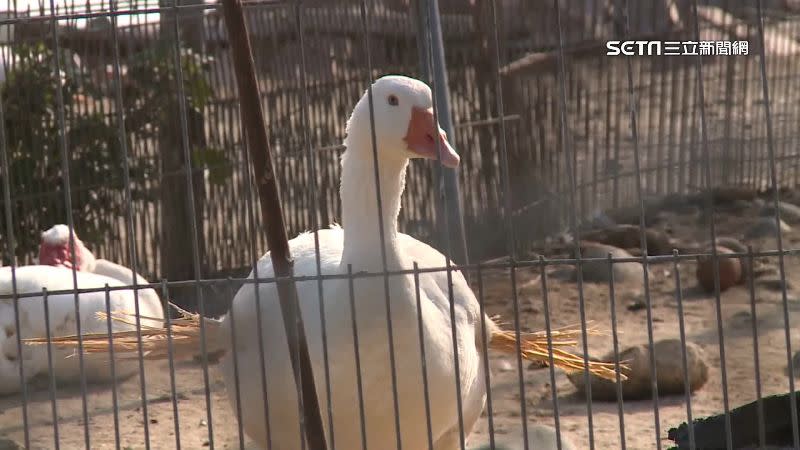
573, 413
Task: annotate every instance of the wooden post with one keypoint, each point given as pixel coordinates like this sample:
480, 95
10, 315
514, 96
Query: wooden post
272, 217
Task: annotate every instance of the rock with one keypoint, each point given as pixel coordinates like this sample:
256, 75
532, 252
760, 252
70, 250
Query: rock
730, 271
669, 372
775, 285
766, 227
212, 357
540, 437
732, 244
597, 271
732, 194
789, 213
601, 220
737, 247
738, 205
637, 305
629, 236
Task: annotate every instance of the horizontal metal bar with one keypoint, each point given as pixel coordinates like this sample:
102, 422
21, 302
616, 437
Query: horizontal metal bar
454, 267
130, 12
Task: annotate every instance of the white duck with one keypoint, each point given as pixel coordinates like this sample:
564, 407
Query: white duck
54, 250
404, 128
62, 318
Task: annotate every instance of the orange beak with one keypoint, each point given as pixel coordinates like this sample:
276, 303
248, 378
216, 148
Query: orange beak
426, 139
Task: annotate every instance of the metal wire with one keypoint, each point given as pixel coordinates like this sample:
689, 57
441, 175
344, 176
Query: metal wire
762, 439
573, 217
187, 158
11, 249
52, 376
485, 351
423, 361
661, 151
129, 228
381, 233
236, 388
449, 188
642, 235
112, 367
615, 338
551, 362
62, 141
356, 350
773, 173
712, 230
171, 353
312, 193
684, 358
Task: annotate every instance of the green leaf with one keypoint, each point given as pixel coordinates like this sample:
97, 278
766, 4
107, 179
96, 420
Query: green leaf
219, 166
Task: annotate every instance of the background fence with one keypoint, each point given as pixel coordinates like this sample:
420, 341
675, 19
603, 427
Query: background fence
597, 117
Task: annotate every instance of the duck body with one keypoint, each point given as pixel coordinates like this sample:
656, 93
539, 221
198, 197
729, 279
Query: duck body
367, 242
63, 322
377, 391
54, 250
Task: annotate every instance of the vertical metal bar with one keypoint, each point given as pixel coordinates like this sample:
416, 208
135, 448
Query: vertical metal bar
751, 285
573, 217
423, 46
449, 188
773, 172
511, 238
485, 350
710, 210
423, 359
184, 124
112, 366
551, 362
62, 142
131, 229
251, 221
374, 142
511, 244
51, 372
642, 228
430, 38
11, 249
272, 214
684, 357
612, 295
237, 390
170, 354
354, 319
520, 368
311, 172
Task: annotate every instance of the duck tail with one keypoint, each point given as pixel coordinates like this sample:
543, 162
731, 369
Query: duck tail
535, 347
182, 339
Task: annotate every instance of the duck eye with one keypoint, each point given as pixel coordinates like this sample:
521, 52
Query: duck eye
393, 100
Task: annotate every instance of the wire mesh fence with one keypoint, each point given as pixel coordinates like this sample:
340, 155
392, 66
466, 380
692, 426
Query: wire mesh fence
601, 180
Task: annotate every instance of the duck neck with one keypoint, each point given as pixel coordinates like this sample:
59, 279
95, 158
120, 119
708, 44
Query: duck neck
366, 229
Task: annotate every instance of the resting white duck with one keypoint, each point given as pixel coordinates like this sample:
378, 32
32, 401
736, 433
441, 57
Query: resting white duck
404, 128
54, 250
62, 320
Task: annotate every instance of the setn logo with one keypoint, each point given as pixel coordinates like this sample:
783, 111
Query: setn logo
630, 48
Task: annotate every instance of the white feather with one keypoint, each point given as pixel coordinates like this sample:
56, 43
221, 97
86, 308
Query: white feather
62, 319
358, 244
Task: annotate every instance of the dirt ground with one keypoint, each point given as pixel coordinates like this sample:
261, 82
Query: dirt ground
573, 414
